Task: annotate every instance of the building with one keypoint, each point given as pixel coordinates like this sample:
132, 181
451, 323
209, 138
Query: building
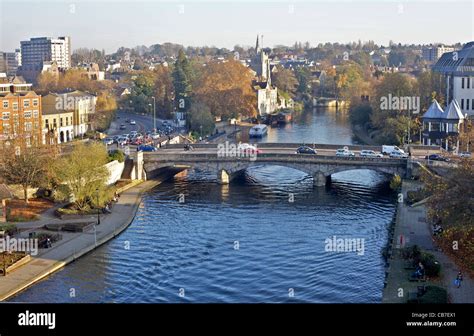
267, 94
442, 127
432, 54
58, 123
20, 113
92, 71
82, 106
458, 69
38, 50
9, 63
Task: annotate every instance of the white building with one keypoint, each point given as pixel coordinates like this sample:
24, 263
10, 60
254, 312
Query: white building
432, 54
267, 94
458, 69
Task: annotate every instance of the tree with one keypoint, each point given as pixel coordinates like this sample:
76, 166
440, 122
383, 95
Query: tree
201, 119
285, 80
392, 122
226, 89
452, 196
182, 81
23, 165
82, 173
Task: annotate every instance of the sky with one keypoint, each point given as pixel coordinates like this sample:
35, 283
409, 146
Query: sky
110, 24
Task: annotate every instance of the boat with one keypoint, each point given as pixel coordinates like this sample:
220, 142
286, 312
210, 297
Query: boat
279, 118
258, 131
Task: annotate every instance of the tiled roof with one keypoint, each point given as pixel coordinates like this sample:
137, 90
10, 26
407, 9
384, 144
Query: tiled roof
459, 63
434, 111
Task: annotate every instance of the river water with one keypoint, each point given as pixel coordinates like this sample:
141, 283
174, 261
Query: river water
260, 239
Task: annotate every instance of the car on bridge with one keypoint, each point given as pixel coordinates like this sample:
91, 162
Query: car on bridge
245, 147
146, 148
344, 152
398, 155
370, 154
133, 122
306, 150
437, 157
122, 127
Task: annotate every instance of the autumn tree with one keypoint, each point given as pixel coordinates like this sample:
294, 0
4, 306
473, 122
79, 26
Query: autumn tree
82, 174
226, 88
393, 123
23, 165
452, 196
285, 80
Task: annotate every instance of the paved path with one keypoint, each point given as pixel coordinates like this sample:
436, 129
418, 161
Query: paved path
412, 224
74, 245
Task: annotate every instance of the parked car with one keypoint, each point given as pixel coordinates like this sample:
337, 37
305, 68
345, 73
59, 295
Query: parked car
133, 133
155, 135
108, 141
133, 122
122, 141
306, 150
122, 127
437, 157
370, 153
398, 155
465, 154
146, 148
344, 152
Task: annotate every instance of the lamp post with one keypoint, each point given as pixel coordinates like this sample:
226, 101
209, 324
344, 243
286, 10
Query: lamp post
98, 208
154, 114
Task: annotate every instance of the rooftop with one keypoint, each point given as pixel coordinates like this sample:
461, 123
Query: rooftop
458, 63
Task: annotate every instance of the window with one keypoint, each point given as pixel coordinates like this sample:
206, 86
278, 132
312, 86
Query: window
28, 127
54, 123
6, 129
462, 104
46, 123
61, 122
462, 83
5, 104
36, 125
26, 103
472, 104
35, 102
6, 115
467, 104
27, 114
35, 114
468, 82
15, 106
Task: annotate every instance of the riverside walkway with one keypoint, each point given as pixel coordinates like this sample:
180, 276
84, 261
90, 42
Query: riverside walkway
73, 245
411, 223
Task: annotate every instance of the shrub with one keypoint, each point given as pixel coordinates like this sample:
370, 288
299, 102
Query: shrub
411, 252
432, 266
9, 229
434, 294
396, 182
116, 155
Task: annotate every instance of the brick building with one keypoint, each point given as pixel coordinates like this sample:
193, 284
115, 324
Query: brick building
20, 113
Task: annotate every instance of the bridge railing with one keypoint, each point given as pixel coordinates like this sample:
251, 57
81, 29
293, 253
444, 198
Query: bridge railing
285, 145
190, 156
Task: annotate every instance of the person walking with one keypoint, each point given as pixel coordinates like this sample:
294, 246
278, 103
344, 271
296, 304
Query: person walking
458, 280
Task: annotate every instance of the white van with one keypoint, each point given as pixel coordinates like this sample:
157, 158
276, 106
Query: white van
387, 150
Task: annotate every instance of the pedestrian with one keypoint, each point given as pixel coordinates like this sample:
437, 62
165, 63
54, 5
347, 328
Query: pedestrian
458, 280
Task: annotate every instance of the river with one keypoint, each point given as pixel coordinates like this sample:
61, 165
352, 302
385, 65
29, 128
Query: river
260, 239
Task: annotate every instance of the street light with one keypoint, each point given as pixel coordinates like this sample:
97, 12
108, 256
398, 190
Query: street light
98, 208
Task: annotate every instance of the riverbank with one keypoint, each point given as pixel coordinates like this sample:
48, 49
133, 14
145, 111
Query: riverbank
75, 245
362, 136
412, 225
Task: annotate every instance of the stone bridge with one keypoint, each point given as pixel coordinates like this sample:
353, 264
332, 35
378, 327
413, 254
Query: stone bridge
226, 168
